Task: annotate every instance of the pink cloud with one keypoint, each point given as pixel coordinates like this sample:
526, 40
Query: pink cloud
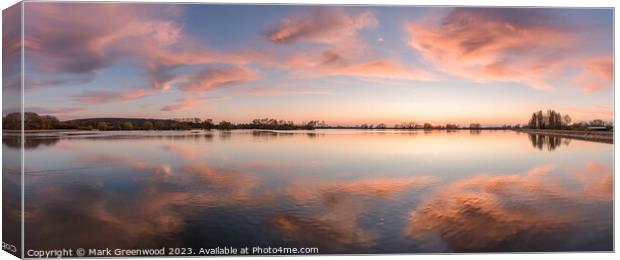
591, 112
326, 25
378, 69
107, 96
501, 45
182, 104
149, 35
334, 63
55, 110
344, 54
213, 78
597, 73
280, 91
160, 62
11, 49
70, 43
11, 40
64, 111
189, 103
84, 38
196, 83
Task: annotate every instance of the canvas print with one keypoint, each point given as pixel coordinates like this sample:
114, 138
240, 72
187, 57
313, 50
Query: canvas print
188, 129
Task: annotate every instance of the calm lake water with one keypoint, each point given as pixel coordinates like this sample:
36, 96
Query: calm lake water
343, 191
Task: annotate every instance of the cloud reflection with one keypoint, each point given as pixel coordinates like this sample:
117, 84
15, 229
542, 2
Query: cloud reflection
532, 211
182, 191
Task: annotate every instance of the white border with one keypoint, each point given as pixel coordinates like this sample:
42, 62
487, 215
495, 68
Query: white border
552, 3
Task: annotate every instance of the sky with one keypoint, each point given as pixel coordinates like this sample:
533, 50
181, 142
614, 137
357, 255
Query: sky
345, 65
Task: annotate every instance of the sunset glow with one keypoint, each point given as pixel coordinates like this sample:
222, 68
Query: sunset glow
344, 65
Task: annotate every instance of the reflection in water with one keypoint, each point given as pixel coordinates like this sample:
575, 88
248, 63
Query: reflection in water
312, 135
268, 134
329, 234
533, 211
356, 195
547, 141
11, 195
475, 132
31, 142
133, 163
337, 227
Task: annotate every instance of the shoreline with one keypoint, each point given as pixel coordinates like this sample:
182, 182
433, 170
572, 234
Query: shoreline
594, 136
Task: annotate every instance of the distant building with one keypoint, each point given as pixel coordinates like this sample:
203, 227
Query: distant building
597, 128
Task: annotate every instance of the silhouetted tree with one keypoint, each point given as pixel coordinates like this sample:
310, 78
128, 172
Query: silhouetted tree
409, 125
158, 125
452, 126
597, 122
225, 125
32, 121
49, 122
475, 126
181, 125
102, 126
147, 125
312, 124
550, 120
127, 126
208, 123
12, 121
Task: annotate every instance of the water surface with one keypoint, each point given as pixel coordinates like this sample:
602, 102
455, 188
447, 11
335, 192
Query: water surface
343, 191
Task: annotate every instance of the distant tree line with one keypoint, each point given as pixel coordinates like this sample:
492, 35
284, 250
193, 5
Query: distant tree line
554, 120
274, 124
33, 121
449, 126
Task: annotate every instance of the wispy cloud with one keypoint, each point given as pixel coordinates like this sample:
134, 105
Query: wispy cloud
327, 25
283, 91
181, 104
189, 103
11, 49
342, 53
46, 110
213, 78
597, 73
92, 97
